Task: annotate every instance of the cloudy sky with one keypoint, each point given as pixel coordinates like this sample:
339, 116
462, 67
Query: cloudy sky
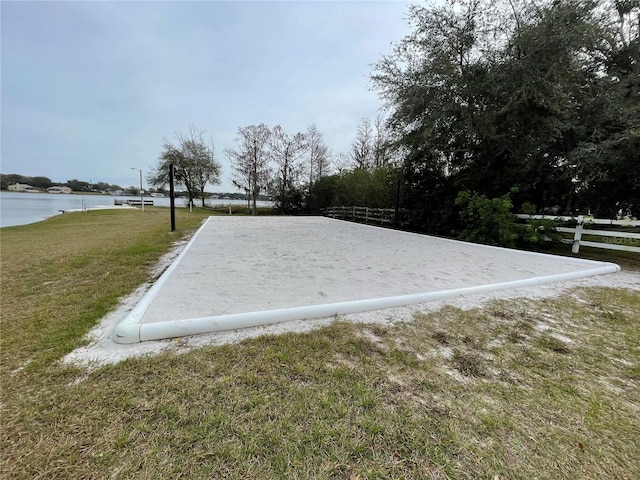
90, 89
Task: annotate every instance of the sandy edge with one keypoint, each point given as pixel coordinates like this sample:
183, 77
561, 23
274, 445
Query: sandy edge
101, 350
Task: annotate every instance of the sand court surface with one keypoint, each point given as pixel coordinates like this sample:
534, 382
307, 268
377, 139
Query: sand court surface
240, 272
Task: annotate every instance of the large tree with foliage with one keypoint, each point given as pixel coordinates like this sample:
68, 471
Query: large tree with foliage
194, 163
11, 178
607, 156
78, 185
489, 97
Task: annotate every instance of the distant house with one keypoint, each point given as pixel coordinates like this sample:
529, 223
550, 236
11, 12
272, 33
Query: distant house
58, 189
22, 187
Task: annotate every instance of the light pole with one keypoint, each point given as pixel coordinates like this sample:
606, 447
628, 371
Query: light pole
141, 190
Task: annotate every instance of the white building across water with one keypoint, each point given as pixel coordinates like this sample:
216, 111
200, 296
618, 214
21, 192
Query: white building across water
22, 187
58, 189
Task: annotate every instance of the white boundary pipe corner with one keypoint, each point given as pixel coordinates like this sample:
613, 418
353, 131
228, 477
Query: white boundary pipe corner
131, 330
128, 331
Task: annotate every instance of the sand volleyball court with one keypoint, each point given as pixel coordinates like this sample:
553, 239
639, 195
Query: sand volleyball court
239, 272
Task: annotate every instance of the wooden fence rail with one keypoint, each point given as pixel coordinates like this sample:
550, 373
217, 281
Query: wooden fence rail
611, 240
379, 216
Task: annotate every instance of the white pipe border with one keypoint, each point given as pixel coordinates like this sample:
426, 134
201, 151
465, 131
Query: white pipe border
128, 331
194, 326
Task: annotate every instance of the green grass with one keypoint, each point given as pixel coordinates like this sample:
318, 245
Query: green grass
60, 276
626, 260
519, 389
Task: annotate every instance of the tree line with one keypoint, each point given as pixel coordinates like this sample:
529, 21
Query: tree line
280, 163
524, 105
43, 183
536, 102
266, 161
296, 170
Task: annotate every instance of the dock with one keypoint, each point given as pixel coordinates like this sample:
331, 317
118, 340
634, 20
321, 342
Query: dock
133, 203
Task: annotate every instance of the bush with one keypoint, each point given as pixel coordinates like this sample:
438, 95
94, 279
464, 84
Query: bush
491, 221
487, 220
359, 187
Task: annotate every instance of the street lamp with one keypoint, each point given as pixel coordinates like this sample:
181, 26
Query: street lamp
141, 190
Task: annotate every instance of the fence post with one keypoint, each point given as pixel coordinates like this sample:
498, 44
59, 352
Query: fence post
577, 235
366, 215
353, 214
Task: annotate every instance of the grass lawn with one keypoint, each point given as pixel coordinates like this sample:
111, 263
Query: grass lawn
519, 389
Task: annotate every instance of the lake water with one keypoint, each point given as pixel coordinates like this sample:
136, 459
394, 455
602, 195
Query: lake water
17, 208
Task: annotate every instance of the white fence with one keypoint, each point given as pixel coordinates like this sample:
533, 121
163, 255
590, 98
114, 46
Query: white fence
610, 240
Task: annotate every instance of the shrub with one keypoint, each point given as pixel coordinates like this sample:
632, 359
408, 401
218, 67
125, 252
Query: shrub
487, 220
491, 221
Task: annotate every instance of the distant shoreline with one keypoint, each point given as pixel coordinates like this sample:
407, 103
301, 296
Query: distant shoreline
68, 193
23, 208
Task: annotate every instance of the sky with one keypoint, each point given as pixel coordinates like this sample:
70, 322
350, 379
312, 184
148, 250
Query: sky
89, 90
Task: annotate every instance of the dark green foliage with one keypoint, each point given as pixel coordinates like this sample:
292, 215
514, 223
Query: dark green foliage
537, 233
492, 221
428, 194
487, 220
12, 178
290, 200
487, 96
359, 187
78, 185
322, 193
45, 182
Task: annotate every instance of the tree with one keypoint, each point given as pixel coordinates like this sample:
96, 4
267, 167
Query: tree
318, 154
487, 220
362, 147
286, 152
606, 159
380, 146
250, 162
204, 169
194, 164
490, 96
542, 76
359, 187
434, 93
78, 185
7, 179
40, 182
322, 193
